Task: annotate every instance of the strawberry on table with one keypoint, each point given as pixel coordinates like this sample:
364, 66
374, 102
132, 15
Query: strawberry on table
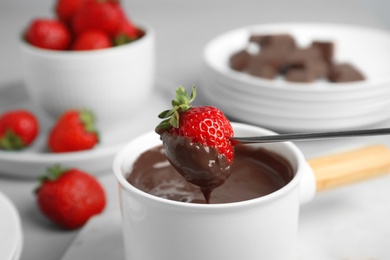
197, 141
18, 129
73, 131
70, 197
48, 34
92, 40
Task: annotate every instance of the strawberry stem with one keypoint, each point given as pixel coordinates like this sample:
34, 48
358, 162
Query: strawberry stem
122, 39
88, 120
52, 173
181, 104
11, 141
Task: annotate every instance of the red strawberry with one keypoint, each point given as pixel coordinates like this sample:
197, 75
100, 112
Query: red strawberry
100, 15
73, 131
48, 34
18, 129
70, 197
128, 32
197, 142
92, 40
65, 9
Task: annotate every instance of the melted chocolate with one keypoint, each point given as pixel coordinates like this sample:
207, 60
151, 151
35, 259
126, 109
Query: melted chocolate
255, 172
200, 165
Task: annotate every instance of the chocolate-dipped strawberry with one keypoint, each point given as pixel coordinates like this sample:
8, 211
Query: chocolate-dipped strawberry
197, 141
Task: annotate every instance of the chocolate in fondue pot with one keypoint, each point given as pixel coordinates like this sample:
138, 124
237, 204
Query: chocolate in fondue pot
255, 172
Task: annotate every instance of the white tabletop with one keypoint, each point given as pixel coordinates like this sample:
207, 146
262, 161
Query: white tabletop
183, 28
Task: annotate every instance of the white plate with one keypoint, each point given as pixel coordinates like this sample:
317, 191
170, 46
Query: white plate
293, 124
33, 161
10, 230
341, 95
286, 108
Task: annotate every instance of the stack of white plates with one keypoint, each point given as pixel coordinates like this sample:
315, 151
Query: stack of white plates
11, 238
285, 106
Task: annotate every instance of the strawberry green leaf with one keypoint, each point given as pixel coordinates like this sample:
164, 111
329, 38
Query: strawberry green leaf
88, 120
122, 39
166, 113
11, 141
181, 104
52, 173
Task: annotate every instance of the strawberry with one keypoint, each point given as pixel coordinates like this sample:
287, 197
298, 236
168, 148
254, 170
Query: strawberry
100, 15
92, 40
70, 197
18, 129
73, 131
206, 125
128, 32
48, 34
65, 9
197, 142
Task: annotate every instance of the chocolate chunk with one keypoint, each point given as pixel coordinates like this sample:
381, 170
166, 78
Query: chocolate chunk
277, 41
345, 73
300, 75
326, 48
279, 54
257, 38
266, 64
319, 67
263, 71
239, 60
273, 57
303, 54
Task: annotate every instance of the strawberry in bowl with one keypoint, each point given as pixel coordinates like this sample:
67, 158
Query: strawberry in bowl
75, 18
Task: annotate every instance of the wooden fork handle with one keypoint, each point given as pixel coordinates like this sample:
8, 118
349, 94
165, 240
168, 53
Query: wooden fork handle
349, 167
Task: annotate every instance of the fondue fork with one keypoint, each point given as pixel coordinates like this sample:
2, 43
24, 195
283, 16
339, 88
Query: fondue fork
311, 136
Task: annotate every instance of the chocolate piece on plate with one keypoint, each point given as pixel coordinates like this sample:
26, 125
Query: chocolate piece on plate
300, 75
265, 65
257, 38
277, 41
326, 48
303, 54
239, 60
319, 67
345, 72
264, 71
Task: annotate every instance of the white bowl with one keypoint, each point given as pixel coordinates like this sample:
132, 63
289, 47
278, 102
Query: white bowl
111, 82
252, 229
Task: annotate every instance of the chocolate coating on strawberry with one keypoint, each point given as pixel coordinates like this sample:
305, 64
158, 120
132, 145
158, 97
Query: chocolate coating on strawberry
200, 165
197, 142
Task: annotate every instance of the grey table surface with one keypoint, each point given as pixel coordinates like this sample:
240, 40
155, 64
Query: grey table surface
183, 28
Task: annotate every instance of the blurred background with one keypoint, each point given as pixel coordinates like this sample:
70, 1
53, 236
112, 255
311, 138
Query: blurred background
184, 27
